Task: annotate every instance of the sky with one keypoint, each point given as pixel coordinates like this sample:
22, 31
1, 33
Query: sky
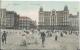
31, 8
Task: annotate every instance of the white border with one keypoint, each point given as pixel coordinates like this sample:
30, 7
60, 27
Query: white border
40, 0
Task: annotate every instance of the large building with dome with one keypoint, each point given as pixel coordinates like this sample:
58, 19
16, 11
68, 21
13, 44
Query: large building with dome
54, 19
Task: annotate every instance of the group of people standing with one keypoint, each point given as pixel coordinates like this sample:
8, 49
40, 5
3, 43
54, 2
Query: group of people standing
43, 36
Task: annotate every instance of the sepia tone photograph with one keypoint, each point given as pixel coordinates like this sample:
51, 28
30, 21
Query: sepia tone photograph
39, 25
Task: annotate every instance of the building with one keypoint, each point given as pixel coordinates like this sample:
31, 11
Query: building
16, 21
2, 18
74, 21
26, 23
33, 24
9, 19
53, 19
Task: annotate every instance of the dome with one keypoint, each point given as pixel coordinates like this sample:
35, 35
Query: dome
66, 8
41, 9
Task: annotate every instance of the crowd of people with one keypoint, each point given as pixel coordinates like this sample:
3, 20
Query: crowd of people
32, 35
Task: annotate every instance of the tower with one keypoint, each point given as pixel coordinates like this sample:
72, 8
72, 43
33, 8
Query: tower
66, 14
41, 18
41, 9
66, 8
78, 14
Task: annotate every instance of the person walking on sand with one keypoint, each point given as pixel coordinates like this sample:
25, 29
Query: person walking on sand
43, 38
4, 36
56, 37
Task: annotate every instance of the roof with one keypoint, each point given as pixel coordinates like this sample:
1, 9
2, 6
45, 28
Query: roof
72, 16
24, 17
47, 11
59, 11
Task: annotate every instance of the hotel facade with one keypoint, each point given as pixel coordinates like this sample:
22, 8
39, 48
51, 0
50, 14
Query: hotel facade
51, 20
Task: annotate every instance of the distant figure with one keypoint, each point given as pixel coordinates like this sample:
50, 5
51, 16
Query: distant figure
50, 35
43, 38
65, 32
61, 35
56, 37
4, 36
70, 32
23, 41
